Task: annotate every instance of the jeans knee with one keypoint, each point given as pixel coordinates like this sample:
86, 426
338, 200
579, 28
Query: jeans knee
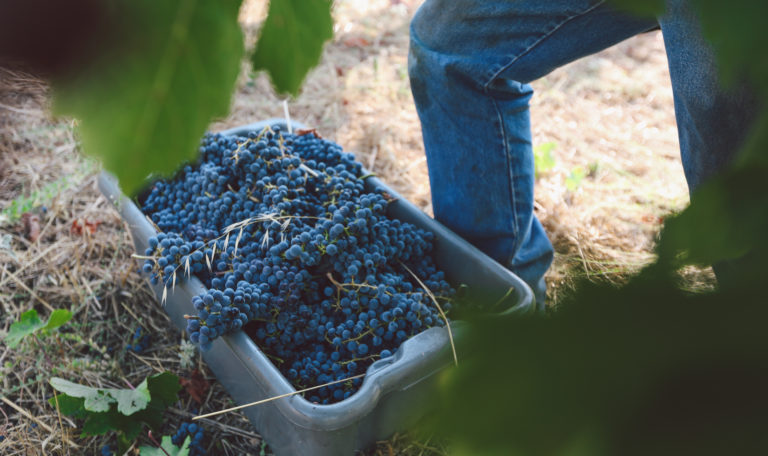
430, 25
447, 51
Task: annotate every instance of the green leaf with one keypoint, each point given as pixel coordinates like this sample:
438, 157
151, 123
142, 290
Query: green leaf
128, 401
144, 103
543, 161
68, 405
28, 323
58, 318
291, 41
168, 446
129, 426
101, 423
739, 37
613, 372
574, 179
164, 388
121, 410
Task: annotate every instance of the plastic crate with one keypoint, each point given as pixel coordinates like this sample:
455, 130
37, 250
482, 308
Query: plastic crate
394, 393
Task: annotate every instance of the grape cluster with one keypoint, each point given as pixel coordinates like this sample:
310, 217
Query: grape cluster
140, 341
282, 232
195, 433
107, 450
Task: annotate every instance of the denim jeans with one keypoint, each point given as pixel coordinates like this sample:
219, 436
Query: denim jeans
470, 63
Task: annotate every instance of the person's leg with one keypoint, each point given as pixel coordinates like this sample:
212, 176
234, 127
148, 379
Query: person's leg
469, 63
712, 121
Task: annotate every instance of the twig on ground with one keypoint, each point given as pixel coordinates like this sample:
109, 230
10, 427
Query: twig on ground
36, 420
29, 290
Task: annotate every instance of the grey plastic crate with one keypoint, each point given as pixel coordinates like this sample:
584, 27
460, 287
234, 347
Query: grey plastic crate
394, 393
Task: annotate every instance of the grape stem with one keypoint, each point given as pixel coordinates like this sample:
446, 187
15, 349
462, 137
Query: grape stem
273, 398
442, 314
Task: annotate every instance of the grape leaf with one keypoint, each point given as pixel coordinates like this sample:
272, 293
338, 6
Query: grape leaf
58, 317
168, 446
123, 412
291, 41
128, 401
30, 323
739, 38
164, 388
146, 101
98, 423
68, 405
616, 368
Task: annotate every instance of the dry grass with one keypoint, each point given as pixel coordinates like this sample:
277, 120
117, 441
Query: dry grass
610, 115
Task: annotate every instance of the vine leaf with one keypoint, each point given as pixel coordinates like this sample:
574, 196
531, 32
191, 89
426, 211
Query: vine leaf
145, 101
30, 323
291, 41
113, 409
129, 401
58, 317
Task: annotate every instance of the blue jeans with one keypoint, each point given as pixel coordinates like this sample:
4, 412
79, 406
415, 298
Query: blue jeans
470, 62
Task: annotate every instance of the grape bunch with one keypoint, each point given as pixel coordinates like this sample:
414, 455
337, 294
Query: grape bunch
291, 248
196, 435
140, 341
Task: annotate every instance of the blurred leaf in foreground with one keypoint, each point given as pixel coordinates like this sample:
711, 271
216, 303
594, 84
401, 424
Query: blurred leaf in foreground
291, 41
656, 372
146, 100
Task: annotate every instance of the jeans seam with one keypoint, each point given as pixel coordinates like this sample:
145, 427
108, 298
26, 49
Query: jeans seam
500, 117
512, 193
536, 43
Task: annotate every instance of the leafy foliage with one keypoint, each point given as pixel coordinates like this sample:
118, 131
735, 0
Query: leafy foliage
121, 410
128, 401
656, 372
292, 40
30, 323
168, 446
145, 78
144, 102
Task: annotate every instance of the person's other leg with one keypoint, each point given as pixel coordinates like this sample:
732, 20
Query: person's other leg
469, 63
713, 121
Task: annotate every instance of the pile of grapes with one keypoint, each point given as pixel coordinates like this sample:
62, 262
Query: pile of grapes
196, 436
281, 231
